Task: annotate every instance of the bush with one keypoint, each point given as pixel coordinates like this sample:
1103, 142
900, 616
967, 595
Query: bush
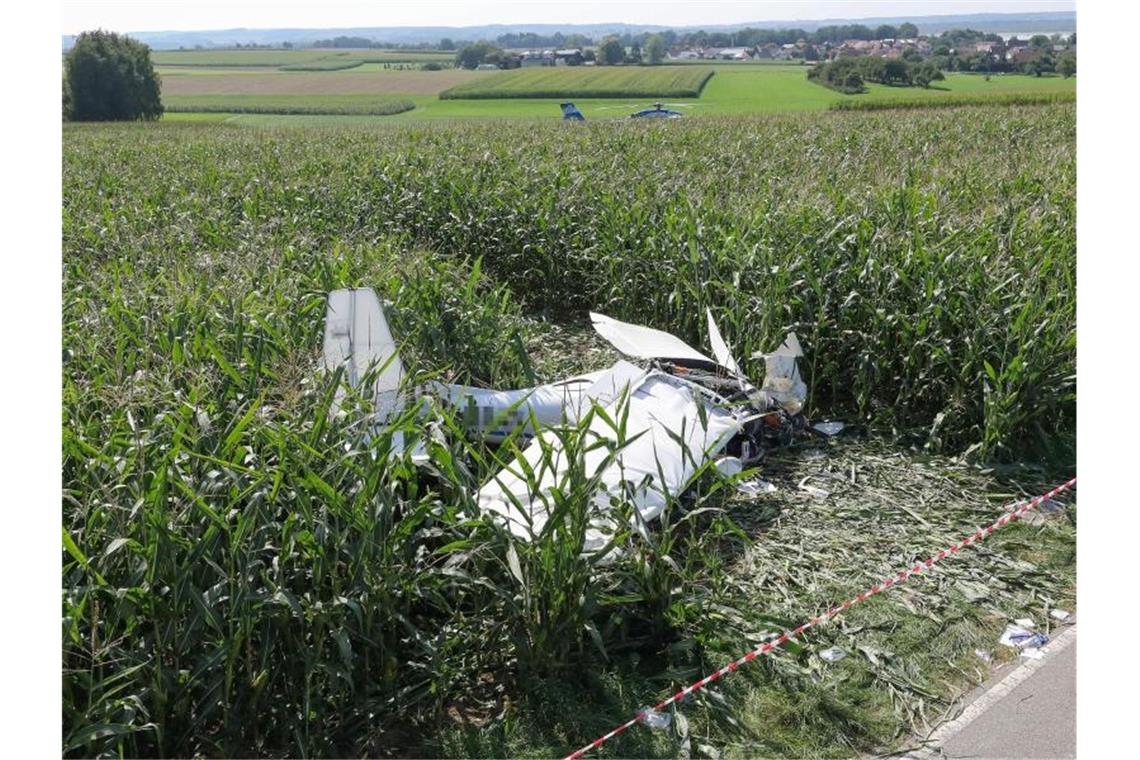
432, 66
111, 78
479, 52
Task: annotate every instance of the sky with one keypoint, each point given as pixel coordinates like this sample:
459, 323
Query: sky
163, 15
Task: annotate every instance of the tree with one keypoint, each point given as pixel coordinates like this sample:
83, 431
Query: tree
908, 31
925, 73
66, 99
910, 55
1040, 42
470, 56
610, 51
447, 44
1067, 64
1039, 65
634, 54
886, 32
111, 78
654, 49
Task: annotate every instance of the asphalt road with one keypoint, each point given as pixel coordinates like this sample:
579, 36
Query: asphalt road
1029, 711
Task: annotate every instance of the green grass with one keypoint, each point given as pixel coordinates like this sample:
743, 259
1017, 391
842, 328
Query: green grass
242, 575
403, 56
955, 101
352, 105
237, 58
325, 64
586, 82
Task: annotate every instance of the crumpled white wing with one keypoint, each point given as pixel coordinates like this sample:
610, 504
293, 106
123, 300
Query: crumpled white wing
669, 444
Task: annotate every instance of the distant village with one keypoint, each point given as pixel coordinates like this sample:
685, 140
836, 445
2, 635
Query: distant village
960, 50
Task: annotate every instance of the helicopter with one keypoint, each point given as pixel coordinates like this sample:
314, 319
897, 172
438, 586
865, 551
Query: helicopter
570, 112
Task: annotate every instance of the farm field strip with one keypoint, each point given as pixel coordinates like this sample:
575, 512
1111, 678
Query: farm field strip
358, 105
320, 83
587, 82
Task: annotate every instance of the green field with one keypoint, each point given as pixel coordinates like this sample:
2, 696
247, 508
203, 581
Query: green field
586, 82
350, 105
244, 575
734, 89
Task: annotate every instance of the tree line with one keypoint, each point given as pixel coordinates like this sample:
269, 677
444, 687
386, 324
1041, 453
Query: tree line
849, 75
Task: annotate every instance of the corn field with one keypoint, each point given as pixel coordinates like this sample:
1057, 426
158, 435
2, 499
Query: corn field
244, 575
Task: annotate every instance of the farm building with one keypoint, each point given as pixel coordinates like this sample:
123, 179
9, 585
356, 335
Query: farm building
537, 58
570, 57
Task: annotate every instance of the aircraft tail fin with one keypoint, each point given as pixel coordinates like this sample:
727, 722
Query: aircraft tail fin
357, 338
570, 112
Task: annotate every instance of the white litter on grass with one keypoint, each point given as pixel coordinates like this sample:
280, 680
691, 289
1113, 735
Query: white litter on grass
815, 491
1032, 653
1014, 635
656, 720
1060, 614
755, 487
835, 654
1025, 623
828, 428
984, 655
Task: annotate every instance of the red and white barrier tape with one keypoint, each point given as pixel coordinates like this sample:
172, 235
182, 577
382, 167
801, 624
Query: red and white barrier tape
893, 580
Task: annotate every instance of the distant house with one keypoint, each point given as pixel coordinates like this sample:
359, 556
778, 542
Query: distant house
733, 54
569, 57
533, 58
765, 52
684, 54
1023, 55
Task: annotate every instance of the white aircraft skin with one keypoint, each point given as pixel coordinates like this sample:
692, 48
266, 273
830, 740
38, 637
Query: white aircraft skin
681, 412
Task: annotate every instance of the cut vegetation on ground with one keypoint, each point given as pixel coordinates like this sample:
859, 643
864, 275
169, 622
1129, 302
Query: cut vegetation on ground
242, 575
587, 82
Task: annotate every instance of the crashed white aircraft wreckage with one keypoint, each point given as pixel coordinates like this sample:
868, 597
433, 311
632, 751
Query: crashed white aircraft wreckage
682, 409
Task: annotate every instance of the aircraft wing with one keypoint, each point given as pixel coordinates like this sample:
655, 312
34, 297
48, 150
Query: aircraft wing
644, 342
671, 439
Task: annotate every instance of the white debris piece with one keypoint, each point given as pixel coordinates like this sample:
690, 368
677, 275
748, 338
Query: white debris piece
815, 491
782, 381
1032, 653
1025, 623
719, 347
828, 428
755, 487
655, 719
834, 654
1060, 614
1013, 635
984, 655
